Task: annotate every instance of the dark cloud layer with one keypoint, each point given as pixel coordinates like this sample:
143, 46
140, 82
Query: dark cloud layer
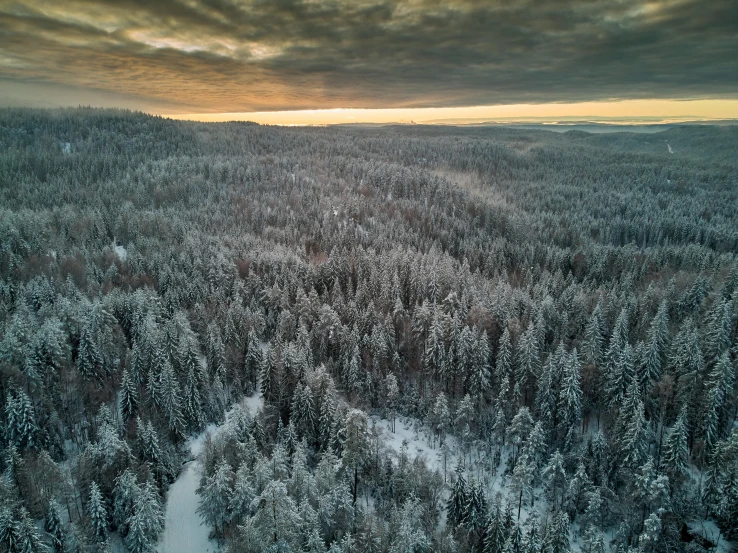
226, 55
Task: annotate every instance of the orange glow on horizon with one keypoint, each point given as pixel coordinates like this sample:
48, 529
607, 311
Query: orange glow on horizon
625, 111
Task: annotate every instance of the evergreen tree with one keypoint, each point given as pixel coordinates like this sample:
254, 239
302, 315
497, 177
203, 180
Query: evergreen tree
570, 398
89, 358
521, 482
457, 501
253, 358
215, 497
594, 337
355, 445
494, 532
556, 539
20, 419
97, 513
676, 451
125, 494
504, 362
276, 514
554, 479
170, 399
128, 396
528, 365
55, 528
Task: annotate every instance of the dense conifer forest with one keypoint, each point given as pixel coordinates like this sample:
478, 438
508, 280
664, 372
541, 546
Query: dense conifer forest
401, 339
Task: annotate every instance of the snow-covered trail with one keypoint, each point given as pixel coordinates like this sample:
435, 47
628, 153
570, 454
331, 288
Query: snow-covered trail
184, 530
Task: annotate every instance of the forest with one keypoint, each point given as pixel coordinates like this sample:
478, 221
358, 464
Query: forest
390, 339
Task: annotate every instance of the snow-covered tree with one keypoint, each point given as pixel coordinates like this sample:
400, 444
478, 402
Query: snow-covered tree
215, 496
97, 512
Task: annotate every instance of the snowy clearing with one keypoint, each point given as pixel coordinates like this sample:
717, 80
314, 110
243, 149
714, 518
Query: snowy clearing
120, 251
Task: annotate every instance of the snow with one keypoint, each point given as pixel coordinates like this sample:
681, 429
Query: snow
120, 251
408, 430
478, 465
184, 531
709, 530
670, 150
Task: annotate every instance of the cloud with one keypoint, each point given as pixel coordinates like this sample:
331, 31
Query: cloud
259, 55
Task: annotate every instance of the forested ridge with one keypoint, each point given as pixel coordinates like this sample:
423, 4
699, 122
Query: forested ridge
555, 315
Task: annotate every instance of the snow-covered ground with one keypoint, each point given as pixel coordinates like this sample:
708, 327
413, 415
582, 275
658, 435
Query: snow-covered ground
184, 530
478, 466
120, 251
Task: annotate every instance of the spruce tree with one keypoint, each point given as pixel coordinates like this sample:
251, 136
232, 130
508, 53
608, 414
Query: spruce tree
97, 513
55, 528
458, 500
676, 451
215, 496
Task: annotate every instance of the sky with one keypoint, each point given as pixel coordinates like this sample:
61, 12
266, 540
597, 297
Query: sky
343, 61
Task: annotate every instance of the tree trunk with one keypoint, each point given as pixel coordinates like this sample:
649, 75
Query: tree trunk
520, 502
356, 483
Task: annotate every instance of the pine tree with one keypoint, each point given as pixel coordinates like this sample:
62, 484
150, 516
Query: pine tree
55, 528
276, 514
146, 521
475, 510
593, 337
570, 397
529, 361
391, 391
18, 532
521, 482
89, 358
125, 493
499, 428
170, 399
651, 534
556, 539
479, 376
457, 501
520, 426
619, 376
594, 542
97, 513
355, 445
593, 513
128, 396
253, 358
658, 335
440, 417
676, 451
635, 441
554, 479
192, 409
577, 489
504, 362
465, 413
494, 532
618, 340
214, 350
303, 412
720, 329
530, 543
215, 496
21, 428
